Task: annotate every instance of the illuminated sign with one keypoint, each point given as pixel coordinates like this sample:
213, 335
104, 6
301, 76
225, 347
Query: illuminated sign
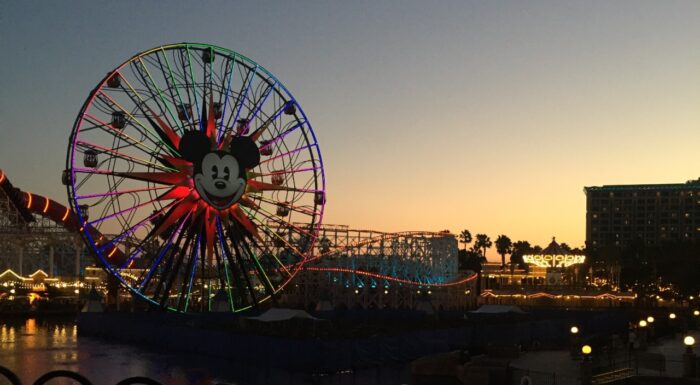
558, 260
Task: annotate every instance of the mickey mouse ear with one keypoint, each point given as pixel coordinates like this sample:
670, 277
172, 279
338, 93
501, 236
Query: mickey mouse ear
194, 145
245, 150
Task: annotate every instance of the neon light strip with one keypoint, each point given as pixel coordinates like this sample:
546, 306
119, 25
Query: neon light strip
2, 176
388, 277
65, 216
29, 204
558, 296
46, 206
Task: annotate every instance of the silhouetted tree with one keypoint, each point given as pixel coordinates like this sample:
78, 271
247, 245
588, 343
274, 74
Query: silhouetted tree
503, 246
520, 248
473, 260
482, 243
465, 237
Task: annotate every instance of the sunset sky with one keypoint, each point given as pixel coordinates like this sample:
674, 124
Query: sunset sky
431, 115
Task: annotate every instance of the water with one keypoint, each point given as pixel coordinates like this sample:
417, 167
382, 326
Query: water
32, 347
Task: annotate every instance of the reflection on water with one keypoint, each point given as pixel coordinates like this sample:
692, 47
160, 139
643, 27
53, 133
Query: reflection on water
33, 347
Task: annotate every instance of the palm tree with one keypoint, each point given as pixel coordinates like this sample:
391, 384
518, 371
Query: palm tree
474, 261
482, 243
504, 246
465, 237
520, 248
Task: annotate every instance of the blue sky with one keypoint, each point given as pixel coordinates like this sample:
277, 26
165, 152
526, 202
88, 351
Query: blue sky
490, 116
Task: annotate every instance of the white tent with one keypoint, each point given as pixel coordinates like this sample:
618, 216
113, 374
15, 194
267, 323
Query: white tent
277, 314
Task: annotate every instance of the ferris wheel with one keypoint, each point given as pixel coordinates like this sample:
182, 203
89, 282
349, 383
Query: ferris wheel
204, 171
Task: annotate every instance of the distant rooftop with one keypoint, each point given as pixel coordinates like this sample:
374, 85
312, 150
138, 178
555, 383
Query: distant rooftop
691, 184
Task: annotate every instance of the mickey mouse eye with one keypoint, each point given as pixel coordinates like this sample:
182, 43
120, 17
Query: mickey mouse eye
215, 171
227, 173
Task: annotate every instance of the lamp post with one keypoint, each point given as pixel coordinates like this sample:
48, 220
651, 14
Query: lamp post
574, 341
672, 322
689, 357
642, 334
651, 330
696, 313
586, 370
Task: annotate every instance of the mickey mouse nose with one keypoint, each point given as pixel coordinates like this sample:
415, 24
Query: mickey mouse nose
220, 185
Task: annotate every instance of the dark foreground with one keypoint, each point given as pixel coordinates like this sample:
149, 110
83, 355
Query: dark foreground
33, 347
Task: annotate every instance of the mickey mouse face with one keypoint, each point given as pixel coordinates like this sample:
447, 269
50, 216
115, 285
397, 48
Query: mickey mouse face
219, 182
219, 176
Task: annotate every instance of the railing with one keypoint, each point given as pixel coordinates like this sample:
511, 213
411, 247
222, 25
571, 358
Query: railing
77, 377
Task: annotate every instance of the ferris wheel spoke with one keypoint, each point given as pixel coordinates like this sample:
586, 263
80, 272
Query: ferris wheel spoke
118, 133
224, 277
231, 67
192, 268
174, 85
243, 240
131, 230
113, 193
130, 209
239, 263
146, 132
254, 175
171, 272
281, 222
289, 153
194, 82
259, 103
243, 93
149, 272
281, 136
274, 235
120, 155
226, 265
165, 105
299, 209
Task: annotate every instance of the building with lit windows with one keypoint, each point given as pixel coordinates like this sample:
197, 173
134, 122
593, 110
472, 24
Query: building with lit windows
616, 215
